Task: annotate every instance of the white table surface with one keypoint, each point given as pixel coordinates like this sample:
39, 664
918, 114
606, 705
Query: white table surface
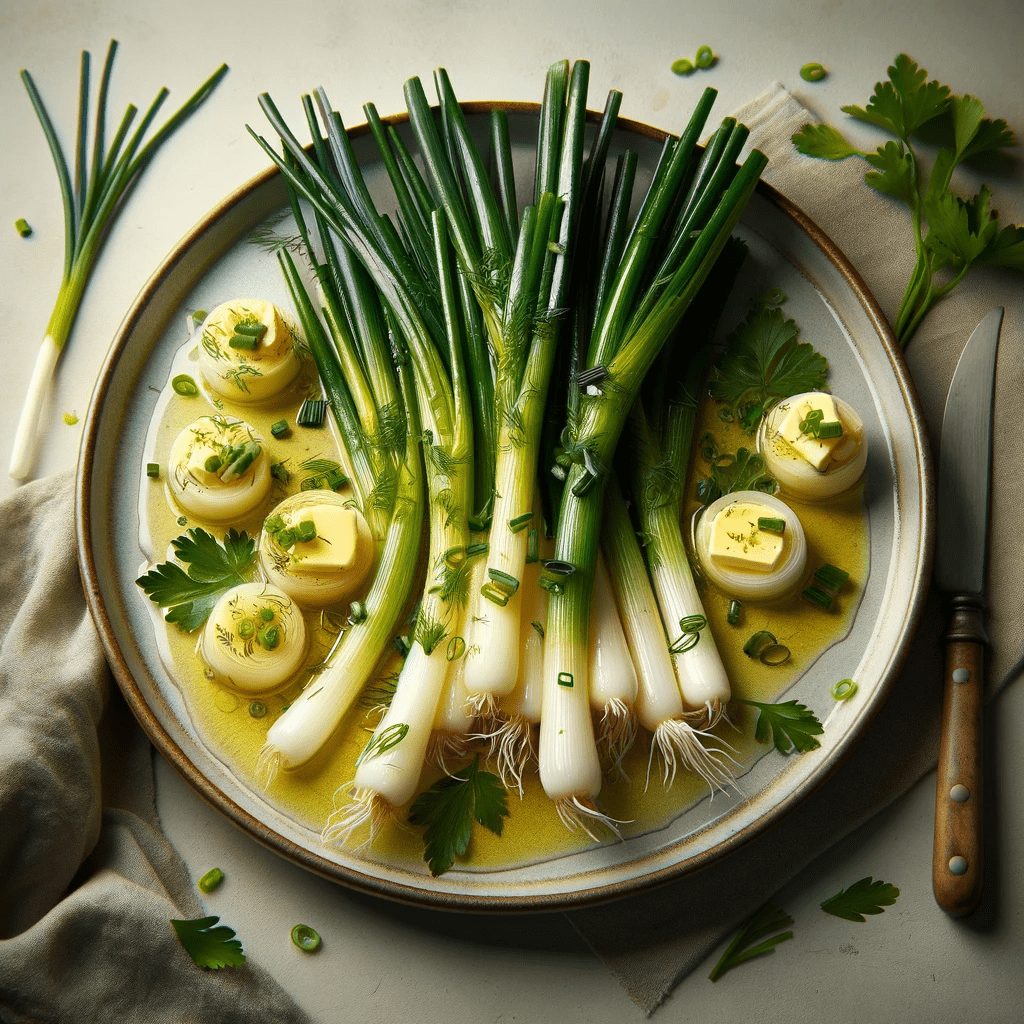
382, 962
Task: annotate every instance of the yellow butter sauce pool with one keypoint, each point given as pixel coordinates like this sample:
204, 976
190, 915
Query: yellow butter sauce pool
836, 532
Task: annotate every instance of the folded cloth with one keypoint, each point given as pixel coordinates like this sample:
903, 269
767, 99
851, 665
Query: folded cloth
88, 881
651, 942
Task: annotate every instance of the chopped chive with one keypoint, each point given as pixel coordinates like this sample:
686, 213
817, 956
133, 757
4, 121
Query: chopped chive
246, 628
815, 594
813, 72
456, 648
210, 880
588, 378
831, 577
771, 524
336, 479
693, 623
532, 547
254, 330
246, 342
686, 642
500, 587
520, 522
682, 66
705, 57
565, 679
844, 689
153, 470
559, 567
269, 638
477, 549
185, 386
23, 227
257, 709
832, 428
312, 413
356, 612
278, 472
279, 429
267, 614
306, 938
733, 618
773, 654
758, 642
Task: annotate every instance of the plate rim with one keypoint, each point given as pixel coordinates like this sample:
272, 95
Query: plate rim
471, 902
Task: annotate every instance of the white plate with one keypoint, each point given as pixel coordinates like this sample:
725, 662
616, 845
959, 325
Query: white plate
834, 310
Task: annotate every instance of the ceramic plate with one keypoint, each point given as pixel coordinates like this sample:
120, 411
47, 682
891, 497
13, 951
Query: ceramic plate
216, 261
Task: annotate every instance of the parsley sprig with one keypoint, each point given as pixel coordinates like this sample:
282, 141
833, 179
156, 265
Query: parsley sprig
209, 946
864, 897
766, 923
788, 724
213, 569
951, 235
449, 808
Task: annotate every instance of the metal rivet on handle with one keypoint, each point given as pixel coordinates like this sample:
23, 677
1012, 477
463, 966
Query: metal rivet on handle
961, 675
958, 865
959, 793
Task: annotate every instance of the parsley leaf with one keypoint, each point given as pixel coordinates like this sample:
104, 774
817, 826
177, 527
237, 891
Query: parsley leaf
788, 724
213, 569
951, 235
209, 946
863, 897
449, 808
744, 471
767, 921
763, 359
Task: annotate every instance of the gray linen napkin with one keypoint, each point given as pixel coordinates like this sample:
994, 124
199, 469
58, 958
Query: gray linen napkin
88, 881
652, 941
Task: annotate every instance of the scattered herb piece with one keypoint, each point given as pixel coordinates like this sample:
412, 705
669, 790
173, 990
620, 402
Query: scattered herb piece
813, 72
279, 429
705, 57
682, 66
449, 808
23, 227
767, 923
951, 235
70, 418
306, 938
863, 897
153, 470
772, 524
312, 413
325, 474
735, 610
744, 471
278, 472
213, 569
209, 946
757, 642
257, 709
789, 725
211, 880
843, 690
185, 386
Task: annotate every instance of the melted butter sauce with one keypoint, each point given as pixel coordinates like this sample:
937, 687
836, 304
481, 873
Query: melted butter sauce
836, 532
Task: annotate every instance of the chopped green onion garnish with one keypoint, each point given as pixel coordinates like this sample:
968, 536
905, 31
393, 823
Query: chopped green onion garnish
306, 938
278, 472
182, 520
267, 614
565, 679
279, 428
813, 72
551, 585
199, 315
254, 330
356, 612
456, 648
185, 386
588, 378
844, 689
520, 522
335, 479
682, 66
833, 428
831, 577
815, 594
733, 618
773, 654
153, 470
758, 642
693, 623
210, 880
213, 464
312, 413
500, 587
559, 567
705, 57
477, 549
771, 524
257, 709
246, 628
269, 638
532, 547
242, 341
23, 227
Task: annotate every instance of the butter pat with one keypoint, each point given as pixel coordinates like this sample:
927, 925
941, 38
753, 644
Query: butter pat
736, 542
336, 543
817, 452
196, 465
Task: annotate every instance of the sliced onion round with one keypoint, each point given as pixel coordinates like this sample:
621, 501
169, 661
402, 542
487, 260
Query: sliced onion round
796, 476
235, 644
754, 585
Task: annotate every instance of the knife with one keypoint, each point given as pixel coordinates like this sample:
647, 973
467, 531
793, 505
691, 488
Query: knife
965, 468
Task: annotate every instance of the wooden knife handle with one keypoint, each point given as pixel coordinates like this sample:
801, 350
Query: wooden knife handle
957, 864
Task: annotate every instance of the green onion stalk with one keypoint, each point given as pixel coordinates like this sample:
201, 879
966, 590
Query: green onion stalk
661, 426
633, 324
91, 205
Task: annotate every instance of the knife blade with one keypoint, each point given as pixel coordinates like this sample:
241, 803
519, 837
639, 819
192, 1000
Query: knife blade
965, 469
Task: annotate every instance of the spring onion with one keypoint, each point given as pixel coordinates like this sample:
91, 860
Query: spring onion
185, 386
306, 938
23, 227
210, 881
844, 689
91, 205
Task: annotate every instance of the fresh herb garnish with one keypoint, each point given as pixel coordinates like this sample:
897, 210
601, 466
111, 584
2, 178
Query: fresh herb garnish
864, 897
951, 235
767, 923
449, 808
788, 724
764, 361
744, 471
213, 569
209, 946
